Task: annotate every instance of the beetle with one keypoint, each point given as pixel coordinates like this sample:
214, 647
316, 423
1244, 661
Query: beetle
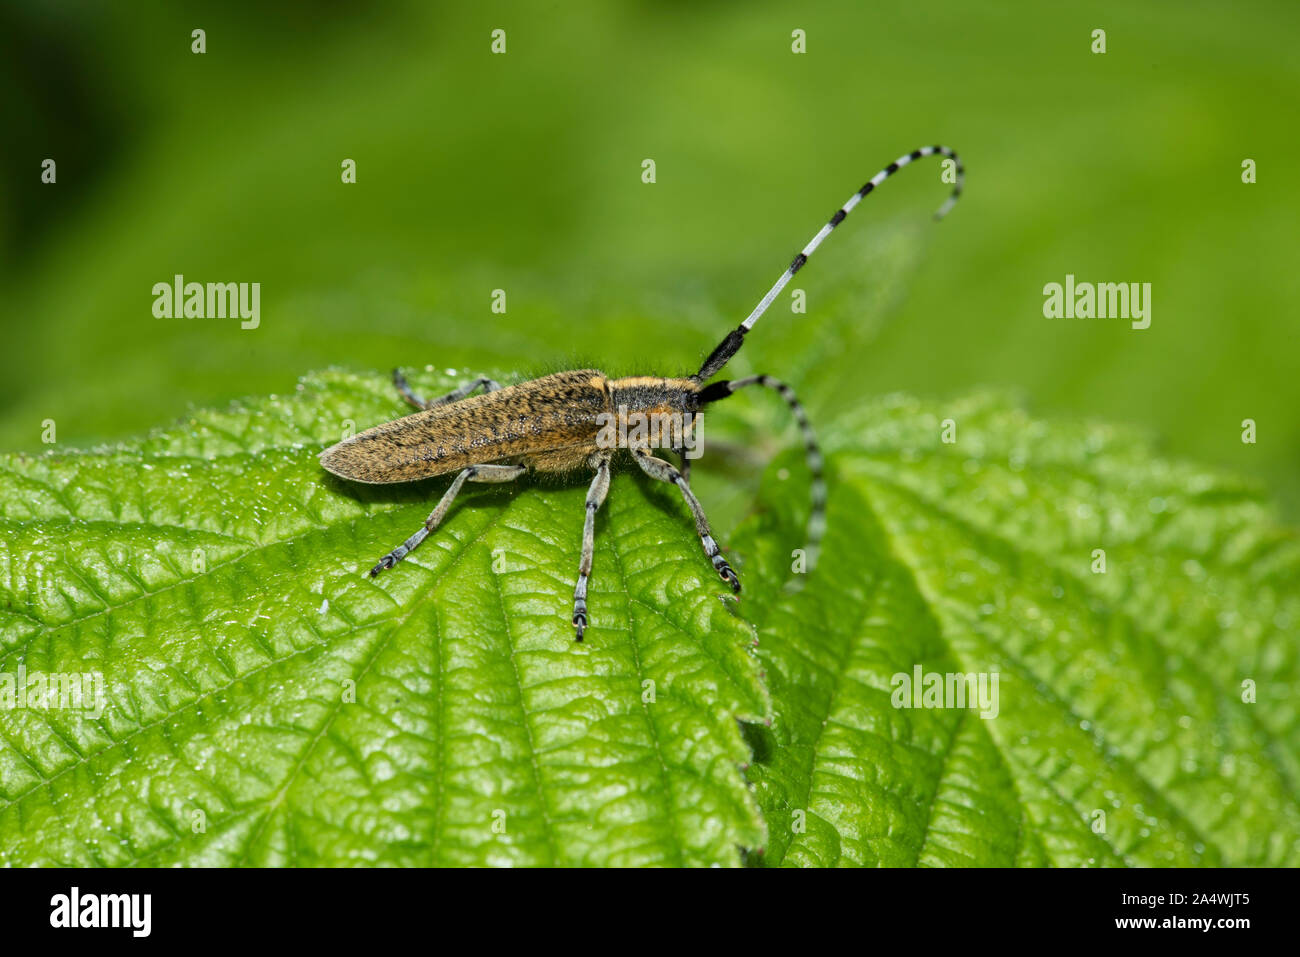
561, 423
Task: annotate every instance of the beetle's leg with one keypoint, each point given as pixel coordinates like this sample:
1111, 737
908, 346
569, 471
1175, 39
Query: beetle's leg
399, 380
665, 472
682, 451
595, 498
475, 473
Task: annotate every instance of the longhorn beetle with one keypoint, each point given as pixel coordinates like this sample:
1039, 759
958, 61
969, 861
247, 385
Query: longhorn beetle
552, 424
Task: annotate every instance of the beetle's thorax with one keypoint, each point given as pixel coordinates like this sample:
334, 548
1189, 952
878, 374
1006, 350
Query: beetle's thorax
654, 411
654, 394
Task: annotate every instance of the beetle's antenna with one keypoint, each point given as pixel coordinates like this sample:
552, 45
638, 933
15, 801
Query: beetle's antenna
816, 527
731, 345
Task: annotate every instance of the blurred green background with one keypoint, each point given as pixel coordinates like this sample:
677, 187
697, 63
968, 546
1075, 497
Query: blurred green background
523, 172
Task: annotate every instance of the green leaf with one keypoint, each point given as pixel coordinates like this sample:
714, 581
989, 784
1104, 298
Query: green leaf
1122, 736
268, 703
442, 713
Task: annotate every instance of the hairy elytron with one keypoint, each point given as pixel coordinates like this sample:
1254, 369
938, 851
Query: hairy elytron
555, 424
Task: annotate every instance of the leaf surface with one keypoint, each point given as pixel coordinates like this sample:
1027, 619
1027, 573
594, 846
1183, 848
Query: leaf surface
1145, 714
267, 703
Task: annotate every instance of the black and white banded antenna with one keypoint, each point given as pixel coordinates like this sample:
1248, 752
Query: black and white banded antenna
731, 345
816, 527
